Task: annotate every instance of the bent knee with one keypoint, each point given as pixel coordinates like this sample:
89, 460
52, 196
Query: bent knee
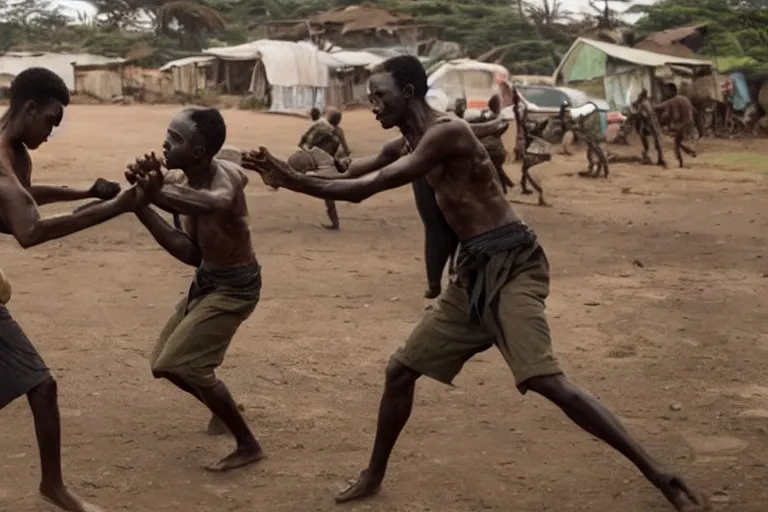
556, 388
47, 387
161, 369
399, 376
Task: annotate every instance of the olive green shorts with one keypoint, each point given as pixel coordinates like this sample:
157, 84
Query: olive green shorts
194, 341
516, 323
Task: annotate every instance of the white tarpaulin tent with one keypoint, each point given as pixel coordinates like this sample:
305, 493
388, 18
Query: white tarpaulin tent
13, 63
292, 75
464, 78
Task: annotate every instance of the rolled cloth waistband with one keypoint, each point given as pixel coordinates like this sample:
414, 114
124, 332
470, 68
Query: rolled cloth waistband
500, 239
240, 281
480, 271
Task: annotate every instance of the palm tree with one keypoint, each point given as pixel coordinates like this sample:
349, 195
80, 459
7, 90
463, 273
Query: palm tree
189, 21
190, 17
606, 19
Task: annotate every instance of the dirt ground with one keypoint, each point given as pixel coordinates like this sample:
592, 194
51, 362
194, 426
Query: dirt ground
657, 306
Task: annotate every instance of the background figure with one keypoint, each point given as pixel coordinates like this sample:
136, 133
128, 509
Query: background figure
646, 123
460, 107
678, 113
493, 143
314, 114
327, 134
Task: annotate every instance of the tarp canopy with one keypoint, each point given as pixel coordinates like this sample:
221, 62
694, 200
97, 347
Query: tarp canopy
351, 59
13, 63
188, 61
286, 63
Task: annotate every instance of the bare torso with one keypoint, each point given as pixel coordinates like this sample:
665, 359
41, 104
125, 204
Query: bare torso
224, 238
16, 162
678, 111
468, 189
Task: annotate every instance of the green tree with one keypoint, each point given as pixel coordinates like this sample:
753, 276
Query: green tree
737, 29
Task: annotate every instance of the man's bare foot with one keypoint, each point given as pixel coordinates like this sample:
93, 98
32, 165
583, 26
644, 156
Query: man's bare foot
679, 494
527, 192
67, 500
366, 486
432, 292
332, 227
242, 456
542, 202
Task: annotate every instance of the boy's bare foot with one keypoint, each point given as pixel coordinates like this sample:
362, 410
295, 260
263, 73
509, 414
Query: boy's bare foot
365, 486
242, 456
65, 499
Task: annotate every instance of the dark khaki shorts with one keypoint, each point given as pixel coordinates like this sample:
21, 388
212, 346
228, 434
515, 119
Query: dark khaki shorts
193, 342
445, 338
21, 367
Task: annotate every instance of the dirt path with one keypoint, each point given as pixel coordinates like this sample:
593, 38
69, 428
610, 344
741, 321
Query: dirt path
658, 307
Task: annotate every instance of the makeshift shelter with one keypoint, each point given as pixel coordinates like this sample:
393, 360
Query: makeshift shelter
348, 77
13, 63
469, 79
110, 80
285, 75
100, 81
680, 41
190, 74
618, 73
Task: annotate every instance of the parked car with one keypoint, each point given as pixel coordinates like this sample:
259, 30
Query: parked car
542, 101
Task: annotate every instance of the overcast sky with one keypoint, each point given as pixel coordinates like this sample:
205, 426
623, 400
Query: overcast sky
575, 6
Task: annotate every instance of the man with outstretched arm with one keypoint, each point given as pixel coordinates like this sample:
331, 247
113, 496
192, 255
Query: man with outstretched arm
440, 242
502, 277
38, 99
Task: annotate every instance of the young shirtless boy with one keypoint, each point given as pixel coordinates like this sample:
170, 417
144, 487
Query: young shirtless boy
38, 98
215, 238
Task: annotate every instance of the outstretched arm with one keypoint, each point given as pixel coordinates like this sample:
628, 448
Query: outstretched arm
180, 199
47, 194
489, 128
441, 142
184, 200
20, 213
175, 241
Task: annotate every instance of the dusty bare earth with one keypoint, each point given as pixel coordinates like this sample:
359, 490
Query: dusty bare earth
658, 307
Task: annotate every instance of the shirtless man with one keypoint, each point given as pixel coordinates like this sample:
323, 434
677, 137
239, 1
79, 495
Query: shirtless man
503, 275
215, 239
678, 111
645, 121
38, 98
493, 143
